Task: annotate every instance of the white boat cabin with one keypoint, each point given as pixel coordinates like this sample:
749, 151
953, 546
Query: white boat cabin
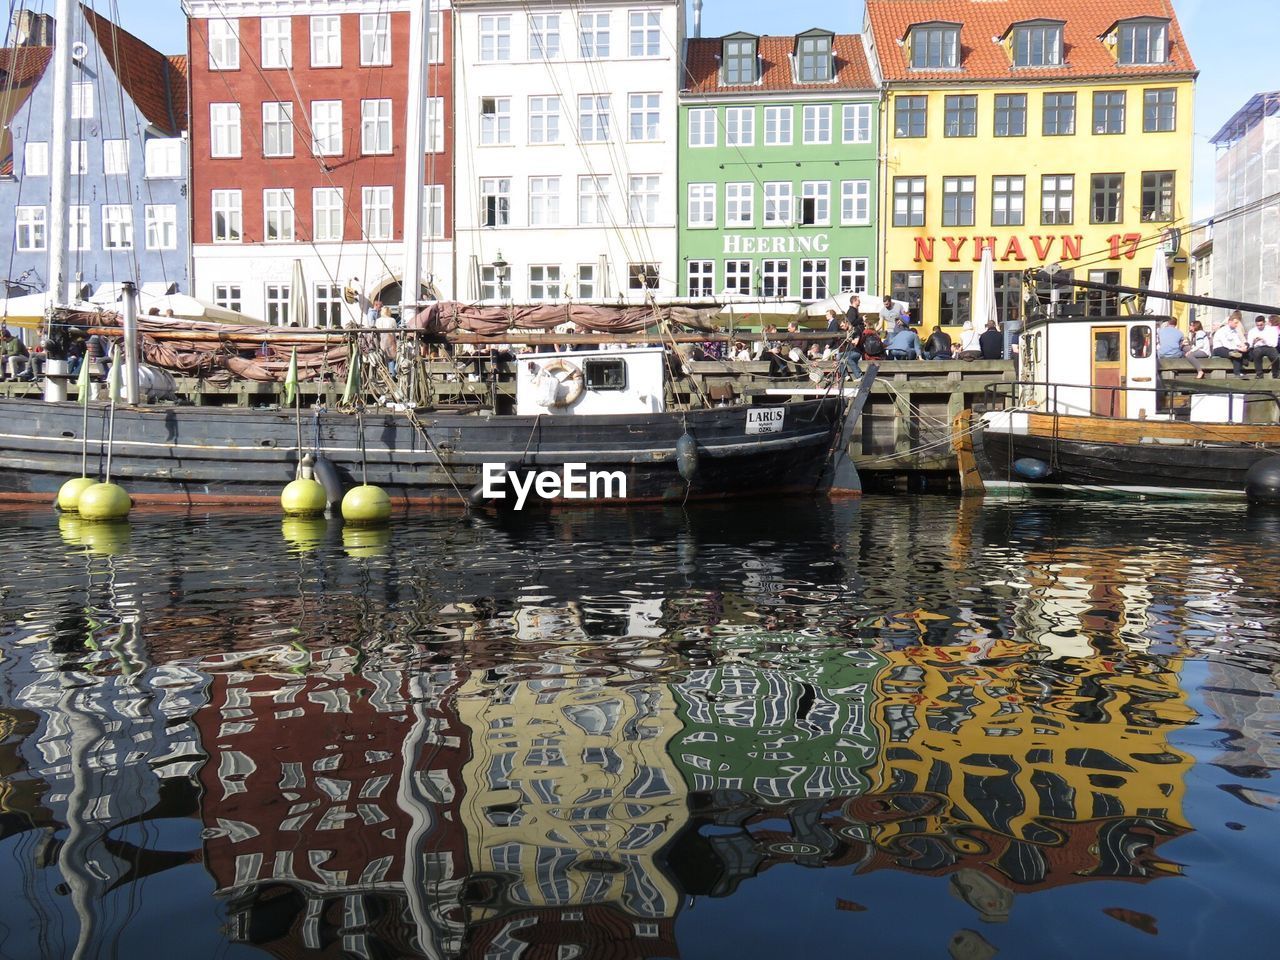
618, 380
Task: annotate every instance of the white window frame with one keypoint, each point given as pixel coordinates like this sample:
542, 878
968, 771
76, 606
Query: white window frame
855, 274
819, 191
544, 36
433, 210
79, 232
435, 125
500, 189
327, 214
375, 127
35, 158
739, 204
326, 304
229, 204
224, 44
494, 37
224, 130
593, 200
593, 118
115, 158
737, 276
701, 206
702, 127
162, 158
647, 108
377, 217
593, 35
277, 43
275, 301
700, 278
817, 123
326, 41
117, 226
161, 226
775, 277
644, 192
815, 278
277, 128
277, 206
545, 281
779, 125
495, 121
585, 281
435, 51
229, 296
855, 126
544, 201
855, 203
778, 204
544, 119
644, 33
326, 128
82, 101
31, 228
739, 126
79, 158
375, 39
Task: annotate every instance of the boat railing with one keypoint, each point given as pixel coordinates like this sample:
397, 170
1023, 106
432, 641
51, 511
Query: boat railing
1172, 401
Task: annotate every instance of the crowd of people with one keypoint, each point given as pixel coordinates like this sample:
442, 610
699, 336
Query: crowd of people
1229, 340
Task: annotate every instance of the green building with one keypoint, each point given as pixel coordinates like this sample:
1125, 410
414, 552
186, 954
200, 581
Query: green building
778, 145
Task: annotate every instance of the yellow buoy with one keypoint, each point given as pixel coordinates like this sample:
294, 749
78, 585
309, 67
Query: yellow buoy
366, 504
106, 537
71, 528
69, 494
104, 501
365, 541
304, 533
303, 498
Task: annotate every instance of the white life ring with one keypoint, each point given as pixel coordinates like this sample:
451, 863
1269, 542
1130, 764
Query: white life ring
568, 375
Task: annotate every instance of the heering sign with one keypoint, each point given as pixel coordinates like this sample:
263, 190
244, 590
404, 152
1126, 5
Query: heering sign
737, 243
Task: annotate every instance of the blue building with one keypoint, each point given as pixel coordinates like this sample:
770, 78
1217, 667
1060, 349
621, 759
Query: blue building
128, 217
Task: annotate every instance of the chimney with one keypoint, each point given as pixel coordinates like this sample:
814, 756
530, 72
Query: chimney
697, 18
32, 29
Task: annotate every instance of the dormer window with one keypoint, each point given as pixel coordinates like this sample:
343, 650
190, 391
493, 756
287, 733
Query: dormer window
813, 57
738, 60
935, 46
1037, 44
1143, 42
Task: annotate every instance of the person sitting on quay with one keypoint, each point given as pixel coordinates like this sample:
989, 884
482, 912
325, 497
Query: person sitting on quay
938, 346
991, 342
869, 344
904, 344
1201, 342
1171, 344
1229, 343
1262, 346
970, 343
13, 352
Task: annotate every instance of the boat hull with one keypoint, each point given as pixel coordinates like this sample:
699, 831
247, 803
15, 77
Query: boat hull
192, 455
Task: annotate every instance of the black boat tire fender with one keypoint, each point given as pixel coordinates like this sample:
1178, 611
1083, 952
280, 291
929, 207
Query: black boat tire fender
572, 380
687, 457
327, 474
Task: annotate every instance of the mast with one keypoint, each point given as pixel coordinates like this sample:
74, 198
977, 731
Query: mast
60, 162
414, 147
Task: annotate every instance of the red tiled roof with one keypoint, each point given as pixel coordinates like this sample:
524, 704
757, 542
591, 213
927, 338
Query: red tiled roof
148, 76
702, 66
981, 59
19, 65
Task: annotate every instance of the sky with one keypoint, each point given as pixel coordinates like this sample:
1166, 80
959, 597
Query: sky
1235, 44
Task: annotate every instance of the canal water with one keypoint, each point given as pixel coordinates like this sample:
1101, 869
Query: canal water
901, 727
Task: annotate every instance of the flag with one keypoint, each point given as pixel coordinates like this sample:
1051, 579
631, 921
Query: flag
352, 393
291, 380
115, 379
82, 382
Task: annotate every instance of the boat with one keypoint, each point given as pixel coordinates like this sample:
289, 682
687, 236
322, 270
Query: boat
1090, 414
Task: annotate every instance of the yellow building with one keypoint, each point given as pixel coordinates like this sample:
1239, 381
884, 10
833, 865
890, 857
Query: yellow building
1051, 133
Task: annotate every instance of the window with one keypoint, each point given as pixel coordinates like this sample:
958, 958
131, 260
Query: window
739, 203
161, 220
645, 32
544, 282
435, 53
586, 281
375, 39
1057, 199
277, 43
277, 129
935, 48
1108, 194
433, 212
643, 198
376, 218
326, 128
495, 39
495, 201
1157, 196
227, 216
909, 115
162, 158
700, 278
1037, 45
78, 236
960, 116
855, 203
908, 201
815, 203
593, 36
490, 288
857, 123
740, 126
224, 45
1144, 41
276, 297
277, 216
777, 126
375, 126
326, 41
593, 201
227, 296
908, 286
644, 115
117, 227
1103, 303
817, 123
79, 157
1159, 111
775, 278
35, 158
435, 125
702, 127
854, 273
495, 120
737, 276
958, 201
1011, 114
544, 36
702, 205
327, 304
82, 101
1108, 111
326, 214
115, 157
1008, 196
955, 290
1008, 295
593, 118
642, 276
544, 119
32, 228
544, 201
813, 279
814, 55
739, 61
777, 204
224, 127
1059, 114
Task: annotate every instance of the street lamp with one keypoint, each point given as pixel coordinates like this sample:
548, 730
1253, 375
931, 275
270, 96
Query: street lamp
501, 270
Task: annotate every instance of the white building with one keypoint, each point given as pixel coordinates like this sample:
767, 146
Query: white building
566, 149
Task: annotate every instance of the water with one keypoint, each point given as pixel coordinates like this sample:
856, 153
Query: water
895, 728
